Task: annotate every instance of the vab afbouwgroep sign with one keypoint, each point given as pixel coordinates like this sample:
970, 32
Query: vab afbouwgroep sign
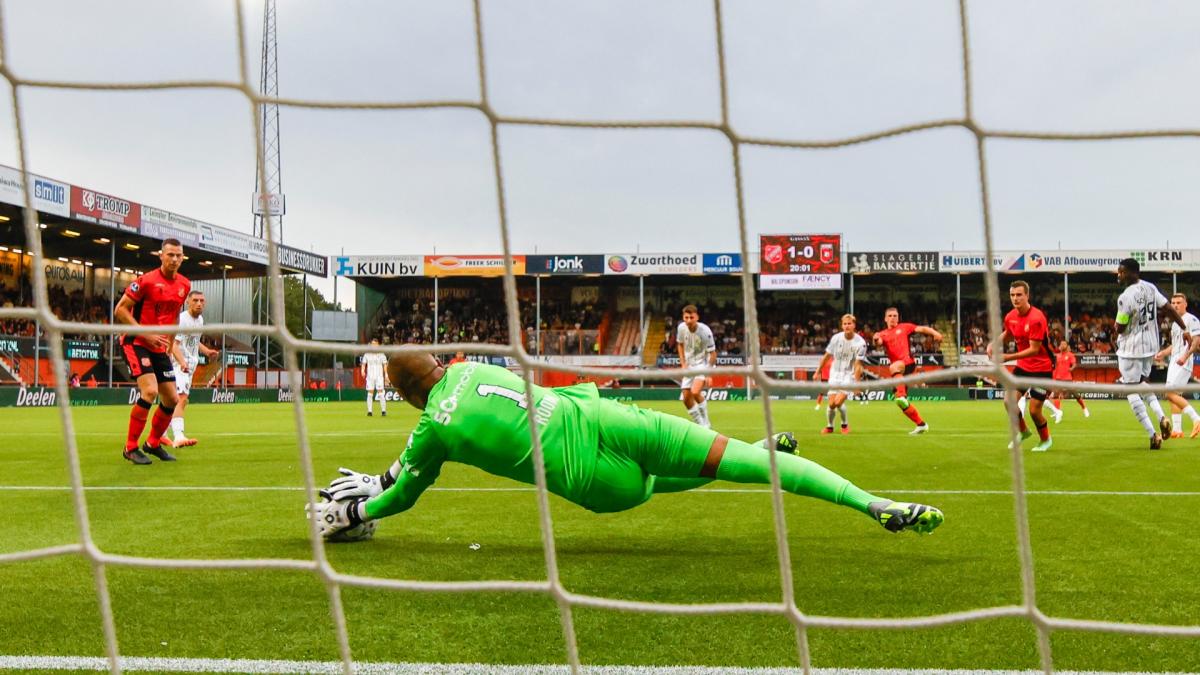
1155, 260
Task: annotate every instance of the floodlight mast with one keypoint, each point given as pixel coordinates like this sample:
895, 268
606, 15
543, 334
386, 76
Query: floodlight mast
269, 201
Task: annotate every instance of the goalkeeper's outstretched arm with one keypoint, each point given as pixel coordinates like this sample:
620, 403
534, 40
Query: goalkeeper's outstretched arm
405, 489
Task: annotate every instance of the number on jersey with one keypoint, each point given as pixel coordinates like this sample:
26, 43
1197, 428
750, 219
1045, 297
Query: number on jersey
510, 394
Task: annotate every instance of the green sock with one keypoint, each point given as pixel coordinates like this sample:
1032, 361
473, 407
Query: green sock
746, 463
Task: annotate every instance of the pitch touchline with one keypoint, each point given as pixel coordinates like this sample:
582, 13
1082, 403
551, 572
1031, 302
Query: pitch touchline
276, 488
163, 664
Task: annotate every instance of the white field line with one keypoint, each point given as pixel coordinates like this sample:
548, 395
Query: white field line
401, 431
275, 488
184, 665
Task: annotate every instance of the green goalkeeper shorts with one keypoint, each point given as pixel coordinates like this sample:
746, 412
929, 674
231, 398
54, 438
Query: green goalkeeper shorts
635, 446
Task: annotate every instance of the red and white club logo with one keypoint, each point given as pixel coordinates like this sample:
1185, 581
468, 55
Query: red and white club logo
773, 253
89, 200
826, 253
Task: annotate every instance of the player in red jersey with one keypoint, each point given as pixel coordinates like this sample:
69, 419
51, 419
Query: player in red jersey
894, 340
1026, 325
1064, 363
154, 299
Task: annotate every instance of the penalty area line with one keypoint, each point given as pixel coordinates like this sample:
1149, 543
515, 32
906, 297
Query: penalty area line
911, 491
196, 665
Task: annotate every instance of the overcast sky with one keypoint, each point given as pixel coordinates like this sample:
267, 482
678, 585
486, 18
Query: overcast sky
407, 182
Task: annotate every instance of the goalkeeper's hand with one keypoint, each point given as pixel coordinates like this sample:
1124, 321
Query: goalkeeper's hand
333, 516
353, 484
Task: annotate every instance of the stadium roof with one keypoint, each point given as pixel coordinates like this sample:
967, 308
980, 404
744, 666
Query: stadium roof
81, 225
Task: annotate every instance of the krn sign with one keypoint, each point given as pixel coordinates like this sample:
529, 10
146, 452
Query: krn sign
269, 203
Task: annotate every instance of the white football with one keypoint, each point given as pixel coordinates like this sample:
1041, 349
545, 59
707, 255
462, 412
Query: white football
360, 532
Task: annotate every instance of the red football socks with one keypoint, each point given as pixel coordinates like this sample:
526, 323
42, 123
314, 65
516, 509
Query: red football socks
137, 422
911, 412
158, 425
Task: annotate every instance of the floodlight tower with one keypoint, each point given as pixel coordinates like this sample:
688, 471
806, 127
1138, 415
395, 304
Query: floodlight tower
271, 201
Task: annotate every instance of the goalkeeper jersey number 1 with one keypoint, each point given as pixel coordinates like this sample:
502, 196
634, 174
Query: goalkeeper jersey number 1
477, 414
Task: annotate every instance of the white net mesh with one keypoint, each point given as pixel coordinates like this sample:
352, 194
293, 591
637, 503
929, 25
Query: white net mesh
552, 585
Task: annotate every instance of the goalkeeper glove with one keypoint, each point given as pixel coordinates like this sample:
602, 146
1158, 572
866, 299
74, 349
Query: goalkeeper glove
333, 516
354, 484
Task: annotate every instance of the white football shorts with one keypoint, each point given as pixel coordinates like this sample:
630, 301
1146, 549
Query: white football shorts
836, 382
183, 381
1177, 375
686, 383
375, 383
1134, 369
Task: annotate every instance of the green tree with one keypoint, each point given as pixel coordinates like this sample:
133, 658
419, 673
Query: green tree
297, 315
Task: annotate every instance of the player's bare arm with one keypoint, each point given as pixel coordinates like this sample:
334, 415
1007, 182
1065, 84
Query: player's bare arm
712, 359
1004, 338
177, 354
124, 314
1034, 348
1171, 314
825, 359
124, 311
1162, 353
930, 331
1193, 347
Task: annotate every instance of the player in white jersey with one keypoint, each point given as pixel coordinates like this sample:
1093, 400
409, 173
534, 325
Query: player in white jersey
696, 350
847, 350
374, 369
185, 357
1184, 343
1138, 341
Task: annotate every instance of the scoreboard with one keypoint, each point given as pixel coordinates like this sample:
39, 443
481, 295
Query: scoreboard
800, 262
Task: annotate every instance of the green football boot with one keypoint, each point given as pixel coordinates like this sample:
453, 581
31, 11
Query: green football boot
901, 516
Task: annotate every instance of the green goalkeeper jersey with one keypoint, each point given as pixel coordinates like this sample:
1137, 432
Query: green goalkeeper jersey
476, 414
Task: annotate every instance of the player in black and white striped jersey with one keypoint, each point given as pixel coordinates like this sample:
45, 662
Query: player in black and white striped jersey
1179, 366
845, 354
1138, 341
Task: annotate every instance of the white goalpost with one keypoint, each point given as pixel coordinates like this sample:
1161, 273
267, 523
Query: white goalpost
551, 585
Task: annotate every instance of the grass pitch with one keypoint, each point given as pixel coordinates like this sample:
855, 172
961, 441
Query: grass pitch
1120, 556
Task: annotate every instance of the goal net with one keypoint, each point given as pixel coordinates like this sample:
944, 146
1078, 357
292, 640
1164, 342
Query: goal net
567, 601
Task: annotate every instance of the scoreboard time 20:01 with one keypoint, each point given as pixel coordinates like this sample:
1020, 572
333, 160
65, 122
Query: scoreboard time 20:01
801, 254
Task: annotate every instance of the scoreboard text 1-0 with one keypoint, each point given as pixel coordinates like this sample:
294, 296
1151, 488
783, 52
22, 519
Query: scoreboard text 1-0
800, 261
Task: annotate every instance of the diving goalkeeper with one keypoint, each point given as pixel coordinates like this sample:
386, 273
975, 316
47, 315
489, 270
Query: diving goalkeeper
599, 454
